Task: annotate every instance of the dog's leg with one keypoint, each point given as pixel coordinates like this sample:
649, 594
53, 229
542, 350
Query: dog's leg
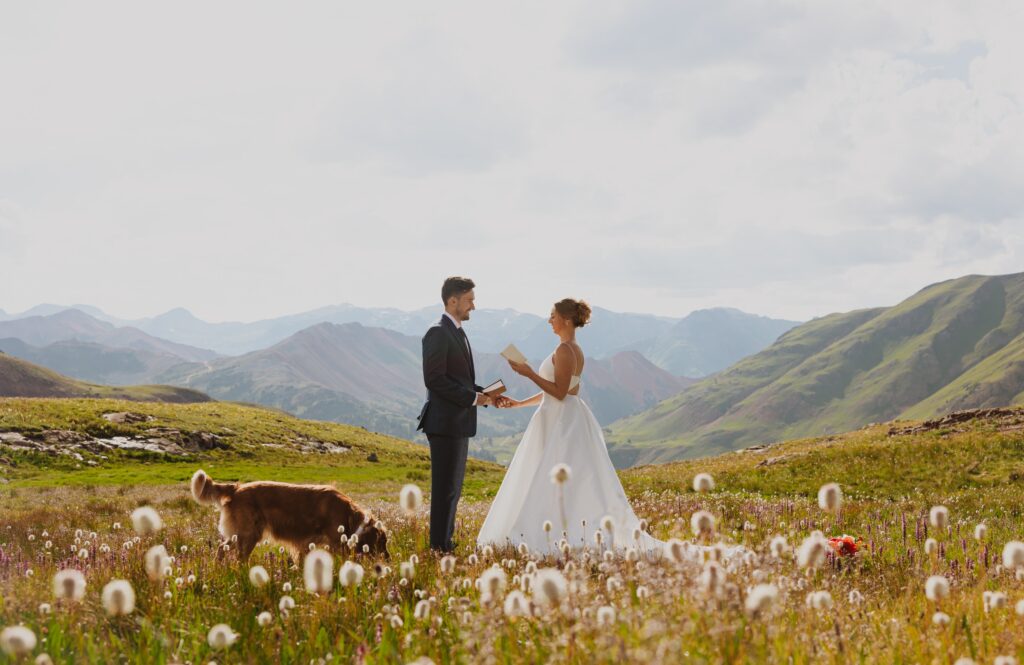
246, 544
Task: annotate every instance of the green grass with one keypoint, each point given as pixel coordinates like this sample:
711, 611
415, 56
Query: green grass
889, 483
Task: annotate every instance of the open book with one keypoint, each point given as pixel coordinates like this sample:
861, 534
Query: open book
495, 389
513, 354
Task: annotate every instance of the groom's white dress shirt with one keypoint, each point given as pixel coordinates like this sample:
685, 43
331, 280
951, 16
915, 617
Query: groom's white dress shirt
458, 324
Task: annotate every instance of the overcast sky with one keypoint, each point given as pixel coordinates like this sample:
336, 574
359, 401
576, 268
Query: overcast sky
247, 160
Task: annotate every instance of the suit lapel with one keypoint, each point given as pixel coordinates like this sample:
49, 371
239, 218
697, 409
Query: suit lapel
454, 333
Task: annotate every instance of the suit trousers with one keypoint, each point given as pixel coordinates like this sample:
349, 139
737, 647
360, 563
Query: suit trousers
447, 470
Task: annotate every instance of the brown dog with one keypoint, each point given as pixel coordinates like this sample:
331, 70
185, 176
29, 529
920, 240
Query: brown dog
293, 515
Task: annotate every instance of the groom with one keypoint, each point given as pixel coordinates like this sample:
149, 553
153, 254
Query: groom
449, 416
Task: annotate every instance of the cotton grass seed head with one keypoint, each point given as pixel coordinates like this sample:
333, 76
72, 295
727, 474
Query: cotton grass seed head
318, 571
980, 531
157, 562
560, 474
760, 599
410, 498
830, 497
703, 482
264, 619
1013, 554
258, 576
516, 604
938, 517
118, 597
811, 553
549, 587
819, 600
778, 547
286, 604
17, 641
936, 588
221, 637
351, 574
69, 584
605, 615
931, 546
146, 520
702, 523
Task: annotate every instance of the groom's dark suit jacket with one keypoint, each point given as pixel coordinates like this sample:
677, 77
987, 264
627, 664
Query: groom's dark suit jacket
451, 382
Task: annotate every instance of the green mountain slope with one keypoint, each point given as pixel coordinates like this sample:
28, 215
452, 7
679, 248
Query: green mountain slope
20, 378
842, 371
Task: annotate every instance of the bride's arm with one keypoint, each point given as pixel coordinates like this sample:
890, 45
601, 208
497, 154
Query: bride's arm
565, 362
529, 401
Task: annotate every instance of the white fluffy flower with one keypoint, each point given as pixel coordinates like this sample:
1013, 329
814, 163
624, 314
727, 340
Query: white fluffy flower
605, 615
830, 497
146, 520
703, 482
994, 600
492, 583
711, 579
410, 498
318, 571
549, 586
157, 562
779, 547
608, 523
447, 564
938, 517
516, 604
351, 574
936, 588
702, 523
811, 552
221, 636
940, 619
980, 531
931, 546
760, 598
286, 603
258, 576
676, 550
17, 641
264, 619
560, 473
118, 597
1013, 554
69, 584
819, 600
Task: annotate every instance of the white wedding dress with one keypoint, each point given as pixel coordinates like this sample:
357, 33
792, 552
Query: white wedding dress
562, 432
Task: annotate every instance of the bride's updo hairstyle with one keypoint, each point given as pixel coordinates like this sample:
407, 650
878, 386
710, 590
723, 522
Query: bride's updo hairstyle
577, 311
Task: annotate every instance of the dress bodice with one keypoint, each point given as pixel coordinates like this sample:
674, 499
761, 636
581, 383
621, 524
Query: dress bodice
547, 371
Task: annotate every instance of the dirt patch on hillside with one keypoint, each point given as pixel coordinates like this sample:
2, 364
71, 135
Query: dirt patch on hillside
1004, 420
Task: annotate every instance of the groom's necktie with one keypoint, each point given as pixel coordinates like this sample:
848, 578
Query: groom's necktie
469, 350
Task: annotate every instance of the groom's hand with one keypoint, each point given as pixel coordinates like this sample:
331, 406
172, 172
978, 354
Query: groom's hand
483, 399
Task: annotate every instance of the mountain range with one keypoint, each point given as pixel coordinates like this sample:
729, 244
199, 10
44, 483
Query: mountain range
373, 377
953, 345
701, 343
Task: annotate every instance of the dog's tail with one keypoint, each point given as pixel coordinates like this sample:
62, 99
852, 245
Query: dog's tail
204, 490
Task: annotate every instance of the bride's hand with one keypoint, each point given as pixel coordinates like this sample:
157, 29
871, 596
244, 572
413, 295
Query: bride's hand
520, 368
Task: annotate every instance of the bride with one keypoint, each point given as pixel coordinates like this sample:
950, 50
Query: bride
561, 482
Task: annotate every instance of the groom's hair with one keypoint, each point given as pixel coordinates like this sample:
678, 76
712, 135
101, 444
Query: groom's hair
455, 286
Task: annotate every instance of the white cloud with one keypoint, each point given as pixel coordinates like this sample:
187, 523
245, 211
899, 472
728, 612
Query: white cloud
247, 159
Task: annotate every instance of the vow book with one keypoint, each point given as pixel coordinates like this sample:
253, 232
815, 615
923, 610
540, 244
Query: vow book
495, 389
513, 354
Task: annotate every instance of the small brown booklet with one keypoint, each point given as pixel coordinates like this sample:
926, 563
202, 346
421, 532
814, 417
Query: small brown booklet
495, 389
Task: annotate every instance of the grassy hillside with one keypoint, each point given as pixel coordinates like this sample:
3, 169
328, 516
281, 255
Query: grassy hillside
20, 378
248, 443
891, 475
846, 370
